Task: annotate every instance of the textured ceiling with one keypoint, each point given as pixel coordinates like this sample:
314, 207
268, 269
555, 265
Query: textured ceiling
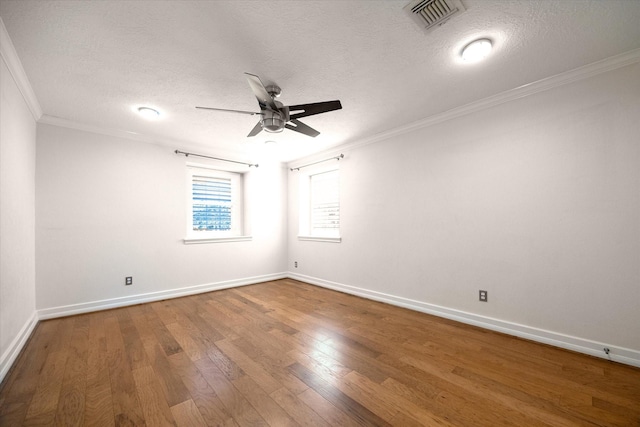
90, 62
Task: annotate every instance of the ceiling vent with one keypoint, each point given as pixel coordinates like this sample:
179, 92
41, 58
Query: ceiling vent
430, 14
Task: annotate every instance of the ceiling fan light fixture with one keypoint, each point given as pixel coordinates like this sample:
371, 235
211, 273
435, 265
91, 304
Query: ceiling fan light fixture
477, 50
273, 125
148, 113
272, 121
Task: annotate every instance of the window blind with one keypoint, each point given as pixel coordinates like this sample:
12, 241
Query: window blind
211, 203
325, 203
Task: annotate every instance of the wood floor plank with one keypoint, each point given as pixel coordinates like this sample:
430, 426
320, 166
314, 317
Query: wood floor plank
71, 403
194, 349
170, 382
275, 365
46, 397
321, 365
270, 411
132, 341
289, 353
126, 406
453, 399
138, 316
247, 300
237, 405
205, 398
426, 401
329, 412
227, 366
393, 405
225, 314
249, 366
186, 414
297, 409
528, 413
354, 358
218, 320
551, 404
361, 389
98, 403
569, 389
202, 331
20, 384
165, 311
165, 339
272, 354
339, 399
154, 406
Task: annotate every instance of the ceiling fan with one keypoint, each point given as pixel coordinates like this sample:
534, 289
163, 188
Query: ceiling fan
274, 117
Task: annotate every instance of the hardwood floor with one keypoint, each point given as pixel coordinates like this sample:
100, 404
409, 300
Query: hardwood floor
288, 353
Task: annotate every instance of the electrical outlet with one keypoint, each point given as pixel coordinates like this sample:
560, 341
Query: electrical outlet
295, 264
128, 280
484, 296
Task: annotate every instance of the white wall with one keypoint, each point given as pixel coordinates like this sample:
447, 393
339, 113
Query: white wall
110, 207
536, 200
17, 218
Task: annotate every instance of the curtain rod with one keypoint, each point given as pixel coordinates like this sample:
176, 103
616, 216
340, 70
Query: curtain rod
215, 158
341, 156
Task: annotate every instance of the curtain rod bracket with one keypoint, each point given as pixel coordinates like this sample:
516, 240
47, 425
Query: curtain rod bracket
341, 156
216, 158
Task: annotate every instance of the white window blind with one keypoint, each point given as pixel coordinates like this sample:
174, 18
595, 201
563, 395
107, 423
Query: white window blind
325, 204
215, 202
211, 203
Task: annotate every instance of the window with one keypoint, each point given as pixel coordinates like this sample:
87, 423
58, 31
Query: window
211, 203
215, 211
325, 204
320, 206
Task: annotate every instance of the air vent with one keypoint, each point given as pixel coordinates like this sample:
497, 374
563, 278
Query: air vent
430, 14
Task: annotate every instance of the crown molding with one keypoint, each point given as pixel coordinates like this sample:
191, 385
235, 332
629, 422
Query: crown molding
565, 78
10, 57
140, 137
118, 133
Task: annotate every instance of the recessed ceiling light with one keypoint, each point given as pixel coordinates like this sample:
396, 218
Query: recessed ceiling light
477, 50
148, 113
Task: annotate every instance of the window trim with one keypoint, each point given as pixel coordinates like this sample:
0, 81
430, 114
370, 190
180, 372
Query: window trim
307, 238
198, 240
239, 226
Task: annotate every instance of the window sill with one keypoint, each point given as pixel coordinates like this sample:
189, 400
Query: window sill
200, 240
320, 239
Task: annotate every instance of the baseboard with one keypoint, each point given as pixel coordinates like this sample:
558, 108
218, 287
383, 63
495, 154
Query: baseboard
581, 345
12, 353
69, 310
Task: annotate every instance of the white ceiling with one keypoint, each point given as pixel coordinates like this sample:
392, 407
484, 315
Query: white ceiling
90, 62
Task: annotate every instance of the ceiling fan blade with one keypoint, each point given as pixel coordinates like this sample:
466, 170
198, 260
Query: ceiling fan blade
231, 111
311, 109
302, 128
256, 129
264, 99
